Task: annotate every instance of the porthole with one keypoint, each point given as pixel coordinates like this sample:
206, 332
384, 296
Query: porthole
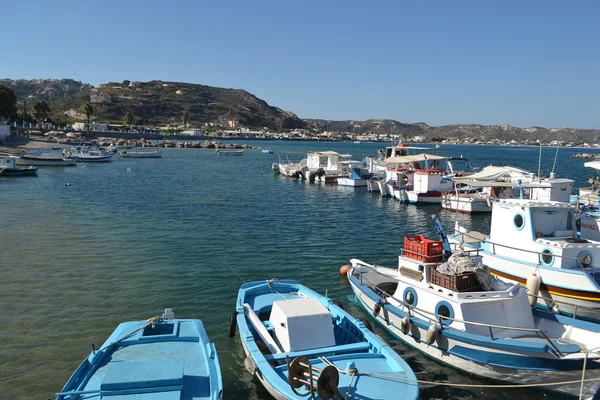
585, 259
410, 297
519, 221
445, 310
547, 257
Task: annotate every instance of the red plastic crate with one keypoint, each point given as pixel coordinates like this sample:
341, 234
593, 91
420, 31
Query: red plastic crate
422, 249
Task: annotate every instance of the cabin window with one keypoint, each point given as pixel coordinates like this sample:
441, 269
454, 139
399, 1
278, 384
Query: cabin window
547, 257
585, 259
519, 221
410, 296
444, 310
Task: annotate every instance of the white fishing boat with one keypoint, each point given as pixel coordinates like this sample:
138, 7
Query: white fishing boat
46, 157
326, 166
141, 152
229, 152
358, 178
89, 154
503, 182
536, 243
290, 169
490, 332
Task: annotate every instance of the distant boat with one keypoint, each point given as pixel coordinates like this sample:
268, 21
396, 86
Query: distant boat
229, 152
8, 167
138, 153
89, 154
268, 151
46, 157
160, 358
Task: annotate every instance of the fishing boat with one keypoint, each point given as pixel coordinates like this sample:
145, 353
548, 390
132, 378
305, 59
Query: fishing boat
290, 169
358, 178
229, 152
137, 152
326, 166
161, 358
533, 241
299, 343
482, 326
503, 182
89, 154
8, 167
46, 157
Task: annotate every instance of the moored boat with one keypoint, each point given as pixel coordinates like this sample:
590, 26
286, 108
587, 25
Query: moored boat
533, 240
229, 152
268, 151
8, 167
161, 358
89, 154
141, 153
299, 343
491, 332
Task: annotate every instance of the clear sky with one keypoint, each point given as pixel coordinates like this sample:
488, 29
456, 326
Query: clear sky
523, 63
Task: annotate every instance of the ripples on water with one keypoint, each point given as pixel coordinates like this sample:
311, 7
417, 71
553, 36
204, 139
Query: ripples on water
129, 238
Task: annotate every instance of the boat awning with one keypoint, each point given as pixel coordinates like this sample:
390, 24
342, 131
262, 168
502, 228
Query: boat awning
593, 164
413, 158
325, 153
476, 183
494, 173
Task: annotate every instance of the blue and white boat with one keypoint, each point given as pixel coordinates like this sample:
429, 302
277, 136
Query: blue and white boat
268, 151
299, 343
161, 358
494, 334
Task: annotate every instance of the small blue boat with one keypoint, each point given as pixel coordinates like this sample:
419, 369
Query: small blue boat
268, 151
299, 343
161, 358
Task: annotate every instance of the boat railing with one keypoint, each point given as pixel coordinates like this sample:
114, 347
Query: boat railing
540, 255
553, 303
440, 318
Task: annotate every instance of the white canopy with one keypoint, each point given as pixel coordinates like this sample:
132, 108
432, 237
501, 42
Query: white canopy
497, 173
413, 158
593, 164
324, 153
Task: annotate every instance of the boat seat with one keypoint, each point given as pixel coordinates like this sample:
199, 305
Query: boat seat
345, 348
143, 375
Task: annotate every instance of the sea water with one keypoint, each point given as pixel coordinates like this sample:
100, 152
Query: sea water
85, 248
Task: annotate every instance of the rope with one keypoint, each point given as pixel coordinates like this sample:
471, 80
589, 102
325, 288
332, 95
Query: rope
149, 322
269, 281
467, 385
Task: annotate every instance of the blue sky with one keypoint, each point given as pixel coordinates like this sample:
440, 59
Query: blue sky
523, 63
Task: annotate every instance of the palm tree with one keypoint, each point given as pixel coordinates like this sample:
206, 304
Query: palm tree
128, 119
88, 110
41, 109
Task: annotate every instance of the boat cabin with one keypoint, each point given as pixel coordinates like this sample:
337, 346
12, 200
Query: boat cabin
458, 166
539, 233
328, 160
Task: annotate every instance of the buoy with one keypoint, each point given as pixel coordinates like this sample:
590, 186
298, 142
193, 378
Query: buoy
533, 288
67, 184
405, 324
344, 269
232, 323
555, 309
432, 333
250, 365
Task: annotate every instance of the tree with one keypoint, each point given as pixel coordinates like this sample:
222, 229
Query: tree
185, 117
8, 102
88, 110
128, 119
41, 109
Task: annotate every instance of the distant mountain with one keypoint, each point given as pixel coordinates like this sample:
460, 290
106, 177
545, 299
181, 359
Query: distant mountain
155, 101
167, 102
374, 126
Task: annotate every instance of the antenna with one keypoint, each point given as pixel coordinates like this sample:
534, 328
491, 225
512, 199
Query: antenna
540, 162
555, 156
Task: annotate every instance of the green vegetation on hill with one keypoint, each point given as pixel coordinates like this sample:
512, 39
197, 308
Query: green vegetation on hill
155, 102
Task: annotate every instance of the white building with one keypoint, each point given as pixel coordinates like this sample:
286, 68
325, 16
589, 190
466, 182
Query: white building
192, 132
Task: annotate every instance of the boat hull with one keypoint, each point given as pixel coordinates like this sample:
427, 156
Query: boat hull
18, 171
351, 182
521, 369
40, 162
466, 205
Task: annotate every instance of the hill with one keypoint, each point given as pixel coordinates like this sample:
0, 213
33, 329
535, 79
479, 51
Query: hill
155, 102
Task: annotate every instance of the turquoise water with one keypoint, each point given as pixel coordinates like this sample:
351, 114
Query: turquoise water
125, 240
